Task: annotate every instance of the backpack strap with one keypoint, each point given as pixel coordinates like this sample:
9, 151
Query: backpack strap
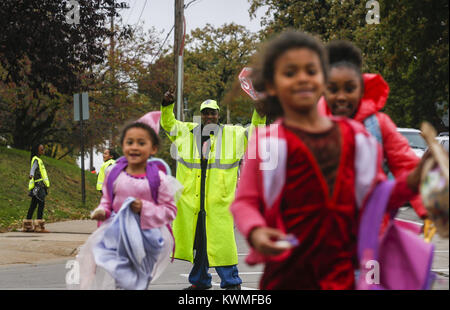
151, 174
371, 220
120, 165
373, 127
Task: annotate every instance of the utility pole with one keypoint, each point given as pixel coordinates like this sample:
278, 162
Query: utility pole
83, 186
112, 6
178, 55
113, 77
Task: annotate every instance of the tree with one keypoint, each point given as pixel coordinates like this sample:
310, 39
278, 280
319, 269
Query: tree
328, 18
43, 57
409, 46
213, 60
412, 54
115, 84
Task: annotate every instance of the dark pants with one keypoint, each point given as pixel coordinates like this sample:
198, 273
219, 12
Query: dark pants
34, 203
199, 275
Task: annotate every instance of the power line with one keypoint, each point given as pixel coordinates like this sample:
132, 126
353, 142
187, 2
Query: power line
132, 9
187, 5
142, 11
165, 40
160, 48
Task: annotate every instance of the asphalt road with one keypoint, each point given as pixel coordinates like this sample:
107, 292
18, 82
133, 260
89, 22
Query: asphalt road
51, 275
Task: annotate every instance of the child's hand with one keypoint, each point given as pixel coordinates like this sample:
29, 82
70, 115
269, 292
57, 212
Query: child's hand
264, 240
136, 206
98, 214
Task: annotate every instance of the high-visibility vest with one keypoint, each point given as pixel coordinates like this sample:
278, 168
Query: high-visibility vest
101, 174
227, 147
44, 176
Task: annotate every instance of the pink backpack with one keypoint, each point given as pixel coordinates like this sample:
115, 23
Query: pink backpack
396, 260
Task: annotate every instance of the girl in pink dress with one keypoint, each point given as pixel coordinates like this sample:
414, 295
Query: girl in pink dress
139, 142
139, 189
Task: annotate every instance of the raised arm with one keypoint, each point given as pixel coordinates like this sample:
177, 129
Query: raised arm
256, 120
168, 120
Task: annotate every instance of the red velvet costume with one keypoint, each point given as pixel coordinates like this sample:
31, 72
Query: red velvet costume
325, 226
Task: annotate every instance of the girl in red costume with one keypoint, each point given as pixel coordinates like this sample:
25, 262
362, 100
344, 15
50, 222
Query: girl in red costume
349, 93
307, 175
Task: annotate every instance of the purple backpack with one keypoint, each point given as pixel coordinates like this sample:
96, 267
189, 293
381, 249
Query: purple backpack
151, 173
396, 260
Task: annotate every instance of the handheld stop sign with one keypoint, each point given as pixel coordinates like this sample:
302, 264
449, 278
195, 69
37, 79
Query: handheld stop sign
247, 85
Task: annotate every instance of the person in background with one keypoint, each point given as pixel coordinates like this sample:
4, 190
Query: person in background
109, 158
38, 187
350, 93
207, 166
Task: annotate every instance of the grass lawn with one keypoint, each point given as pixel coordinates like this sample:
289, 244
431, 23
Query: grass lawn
63, 201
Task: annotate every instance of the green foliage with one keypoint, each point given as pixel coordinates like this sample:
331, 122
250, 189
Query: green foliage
115, 98
213, 60
414, 58
63, 201
328, 18
409, 47
42, 58
37, 82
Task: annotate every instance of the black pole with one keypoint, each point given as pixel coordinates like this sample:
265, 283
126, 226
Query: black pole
83, 193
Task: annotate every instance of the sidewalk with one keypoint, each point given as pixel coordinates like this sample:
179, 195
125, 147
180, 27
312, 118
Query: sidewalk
31, 248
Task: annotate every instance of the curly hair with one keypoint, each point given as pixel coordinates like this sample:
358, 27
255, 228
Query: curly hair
264, 68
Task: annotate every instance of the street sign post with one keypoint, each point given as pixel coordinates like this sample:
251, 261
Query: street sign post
81, 113
84, 109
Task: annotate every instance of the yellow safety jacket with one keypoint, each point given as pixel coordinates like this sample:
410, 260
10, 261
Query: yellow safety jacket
227, 148
101, 174
44, 176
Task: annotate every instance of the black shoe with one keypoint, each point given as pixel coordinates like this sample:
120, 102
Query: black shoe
197, 288
236, 287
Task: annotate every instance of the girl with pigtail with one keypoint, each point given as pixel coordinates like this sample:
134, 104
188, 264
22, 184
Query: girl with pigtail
300, 205
361, 96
